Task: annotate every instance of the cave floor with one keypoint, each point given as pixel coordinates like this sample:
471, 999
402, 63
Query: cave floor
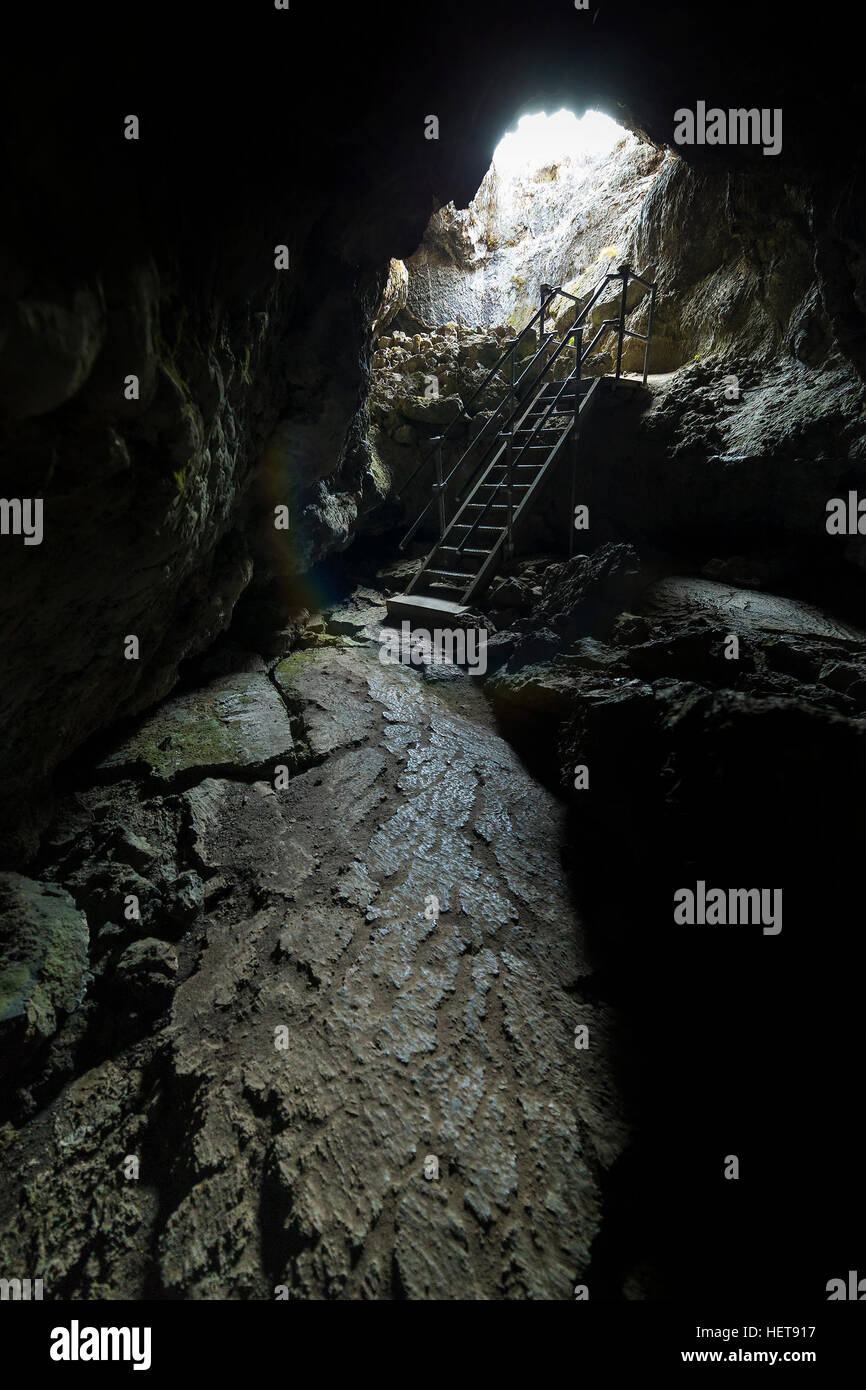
364, 1082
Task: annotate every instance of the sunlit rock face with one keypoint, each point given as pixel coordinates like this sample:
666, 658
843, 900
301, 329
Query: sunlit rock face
560, 221
739, 318
735, 268
731, 254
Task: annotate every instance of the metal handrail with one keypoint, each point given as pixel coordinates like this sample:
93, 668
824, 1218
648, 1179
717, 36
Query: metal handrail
576, 331
464, 409
488, 431
577, 325
485, 429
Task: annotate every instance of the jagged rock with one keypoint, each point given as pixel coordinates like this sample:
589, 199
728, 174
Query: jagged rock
511, 593
541, 692
146, 972
44, 942
394, 577
588, 590
597, 364
133, 849
185, 897
431, 410
393, 297
536, 646
628, 699
757, 471
521, 231
124, 843
500, 646
241, 831
362, 616
102, 890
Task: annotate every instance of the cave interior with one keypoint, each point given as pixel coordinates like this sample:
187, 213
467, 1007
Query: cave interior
296, 946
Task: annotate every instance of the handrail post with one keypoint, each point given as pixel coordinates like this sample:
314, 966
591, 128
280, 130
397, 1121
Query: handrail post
578, 356
545, 291
509, 463
439, 486
624, 272
649, 333
573, 503
578, 353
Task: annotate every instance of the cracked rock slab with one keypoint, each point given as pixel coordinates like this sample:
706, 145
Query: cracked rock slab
321, 683
236, 723
741, 610
365, 1084
368, 1032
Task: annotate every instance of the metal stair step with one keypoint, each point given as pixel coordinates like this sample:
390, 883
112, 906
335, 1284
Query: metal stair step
466, 550
446, 574
567, 387
529, 473
517, 461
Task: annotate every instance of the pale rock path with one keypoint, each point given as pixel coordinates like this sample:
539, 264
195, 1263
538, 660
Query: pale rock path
402, 1033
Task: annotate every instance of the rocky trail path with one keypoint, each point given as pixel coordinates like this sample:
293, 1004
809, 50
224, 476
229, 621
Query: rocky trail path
353, 1072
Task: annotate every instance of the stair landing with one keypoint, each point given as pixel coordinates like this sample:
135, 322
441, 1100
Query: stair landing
418, 608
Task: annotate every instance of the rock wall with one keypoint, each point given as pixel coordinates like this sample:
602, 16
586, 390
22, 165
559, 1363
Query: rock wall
562, 224
732, 255
159, 255
141, 497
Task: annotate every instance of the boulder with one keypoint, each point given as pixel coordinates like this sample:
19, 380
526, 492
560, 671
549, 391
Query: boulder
361, 616
589, 591
146, 972
44, 942
185, 898
431, 410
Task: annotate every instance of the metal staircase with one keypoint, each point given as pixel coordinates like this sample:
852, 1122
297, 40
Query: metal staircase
501, 474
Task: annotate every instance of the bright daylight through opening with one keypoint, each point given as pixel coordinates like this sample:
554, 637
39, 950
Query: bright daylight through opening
541, 139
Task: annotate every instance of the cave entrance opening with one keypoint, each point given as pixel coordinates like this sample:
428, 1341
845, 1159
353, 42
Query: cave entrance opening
559, 206
556, 203
539, 141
